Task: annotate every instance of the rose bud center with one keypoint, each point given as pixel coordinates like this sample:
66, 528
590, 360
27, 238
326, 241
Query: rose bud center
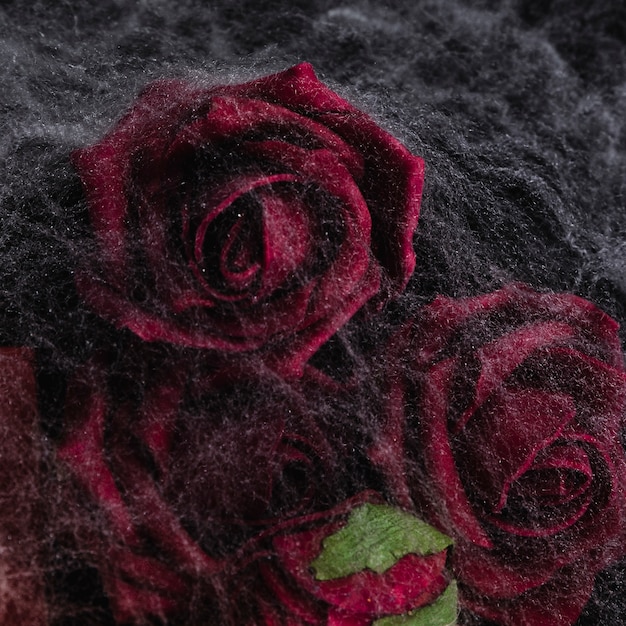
252, 237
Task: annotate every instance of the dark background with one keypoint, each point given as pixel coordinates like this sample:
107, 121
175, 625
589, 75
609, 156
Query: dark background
517, 107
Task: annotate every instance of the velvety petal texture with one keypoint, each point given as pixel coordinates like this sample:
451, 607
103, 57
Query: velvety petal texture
511, 411
191, 475
253, 217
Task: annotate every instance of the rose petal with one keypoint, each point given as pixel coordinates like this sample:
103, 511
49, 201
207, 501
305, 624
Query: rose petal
104, 178
289, 359
287, 237
599, 329
340, 618
156, 518
200, 331
414, 581
491, 574
231, 118
511, 429
296, 606
353, 257
391, 166
445, 316
227, 195
411, 582
392, 186
267, 319
455, 512
575, 373
105, 167
500, 358
559, 461
145, 573
156, 421
558, 603
130, 602
83, 451
300, 87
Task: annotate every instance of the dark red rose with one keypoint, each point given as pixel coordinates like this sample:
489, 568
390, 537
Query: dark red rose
281, 589
183, 475
252, 217
511, 411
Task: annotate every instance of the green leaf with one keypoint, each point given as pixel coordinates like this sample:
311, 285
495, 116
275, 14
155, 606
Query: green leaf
376, 537
442, 612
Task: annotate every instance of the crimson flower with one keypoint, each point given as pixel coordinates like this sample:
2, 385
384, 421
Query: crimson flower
511, 411
253, 217
186, 473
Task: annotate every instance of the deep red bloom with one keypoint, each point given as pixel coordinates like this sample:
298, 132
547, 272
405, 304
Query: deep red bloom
184, 473
511, 410
252, 217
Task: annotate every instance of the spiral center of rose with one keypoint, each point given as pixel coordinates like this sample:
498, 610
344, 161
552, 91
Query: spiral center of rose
552, 494
557, 477
252, 237
236, 264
